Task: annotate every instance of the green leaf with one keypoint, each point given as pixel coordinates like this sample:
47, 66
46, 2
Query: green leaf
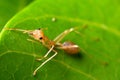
99, 42
10, 7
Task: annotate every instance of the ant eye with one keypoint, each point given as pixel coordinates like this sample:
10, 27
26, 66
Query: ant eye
39, 28
40, 38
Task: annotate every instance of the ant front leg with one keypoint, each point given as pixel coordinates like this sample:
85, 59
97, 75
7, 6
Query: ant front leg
34, 41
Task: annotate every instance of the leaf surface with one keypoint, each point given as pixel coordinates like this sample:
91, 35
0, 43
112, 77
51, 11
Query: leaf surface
99, 42
8, 8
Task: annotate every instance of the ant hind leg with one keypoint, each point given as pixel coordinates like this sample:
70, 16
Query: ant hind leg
66, 32
62, 35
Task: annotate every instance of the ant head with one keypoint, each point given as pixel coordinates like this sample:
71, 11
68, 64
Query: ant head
37, 34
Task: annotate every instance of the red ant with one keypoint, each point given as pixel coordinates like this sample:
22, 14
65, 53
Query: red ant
67, 46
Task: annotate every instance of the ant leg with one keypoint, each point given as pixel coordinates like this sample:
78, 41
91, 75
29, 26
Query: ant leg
49, 51
34, 41
46, 53
35, 71
63, 34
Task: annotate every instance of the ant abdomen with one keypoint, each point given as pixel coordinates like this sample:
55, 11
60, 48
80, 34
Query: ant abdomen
70, 47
